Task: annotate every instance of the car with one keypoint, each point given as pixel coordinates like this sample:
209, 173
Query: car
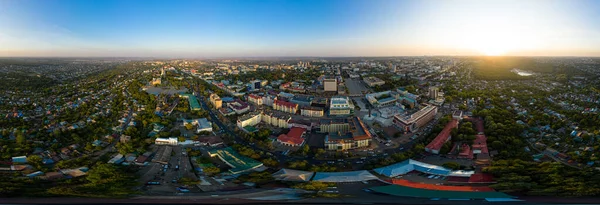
401, 148
430, 176
340, 160
330, 162
437, 177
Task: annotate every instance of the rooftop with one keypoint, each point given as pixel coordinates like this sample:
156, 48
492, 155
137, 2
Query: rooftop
238, 163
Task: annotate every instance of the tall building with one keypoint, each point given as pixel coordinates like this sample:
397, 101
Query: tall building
434, 92
216, 101
330, 84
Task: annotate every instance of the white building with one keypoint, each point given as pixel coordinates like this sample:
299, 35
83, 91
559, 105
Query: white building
340, 105
166, 141
249, 119
202, 124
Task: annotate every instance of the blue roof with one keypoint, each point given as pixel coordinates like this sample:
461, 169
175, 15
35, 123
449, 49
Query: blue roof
20, 159
410, 165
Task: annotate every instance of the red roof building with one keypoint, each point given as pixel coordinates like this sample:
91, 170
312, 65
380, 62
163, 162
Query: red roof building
465, 152
436, 144
293, 137
480, 145
285, 106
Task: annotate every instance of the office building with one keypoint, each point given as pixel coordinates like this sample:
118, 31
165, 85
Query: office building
330, 84
434, 92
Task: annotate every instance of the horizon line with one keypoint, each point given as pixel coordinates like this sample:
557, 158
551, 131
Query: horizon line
258, 57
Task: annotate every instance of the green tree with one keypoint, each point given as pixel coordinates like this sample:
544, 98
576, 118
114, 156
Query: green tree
20, 138
35, 161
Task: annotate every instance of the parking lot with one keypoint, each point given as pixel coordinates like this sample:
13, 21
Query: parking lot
163, 178
355, 87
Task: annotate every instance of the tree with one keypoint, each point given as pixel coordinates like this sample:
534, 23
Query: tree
189, 126
20, 138
451, 165
181, 139
35, 161
212, 170
269, 162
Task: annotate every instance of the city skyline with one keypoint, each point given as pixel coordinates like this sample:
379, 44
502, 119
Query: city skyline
221, 29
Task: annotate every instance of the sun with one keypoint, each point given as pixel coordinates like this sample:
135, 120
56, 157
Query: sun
492, 49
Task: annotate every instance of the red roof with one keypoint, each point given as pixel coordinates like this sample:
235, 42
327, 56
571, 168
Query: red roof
438, 142
254, 96
285, 104
141, 159
465, 152
294, 136
480, 178
480, 143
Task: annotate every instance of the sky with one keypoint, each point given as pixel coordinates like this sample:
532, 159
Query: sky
276, 28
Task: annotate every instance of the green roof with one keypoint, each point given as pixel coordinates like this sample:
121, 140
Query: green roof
194, 105
398, 190
250, 129
237, 162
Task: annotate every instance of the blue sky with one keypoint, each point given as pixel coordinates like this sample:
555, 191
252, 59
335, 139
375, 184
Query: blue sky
224, 28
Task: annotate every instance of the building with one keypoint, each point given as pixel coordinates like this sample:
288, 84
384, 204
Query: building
166, 141
434, 92
249, 119
216, 101
202, 124
238, 163
340, 105
410, 123
192, 100
255, 99
436, 144
293, 138
312, 111
268, 100
382, 99
302, 100
212, 141
344, 134
285, 106
373, 81
124, 138
238, 106
277, 119
254, 85
330, 84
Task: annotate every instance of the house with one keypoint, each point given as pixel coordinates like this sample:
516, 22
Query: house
124, 139
212, 141
293, 137
19, 159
